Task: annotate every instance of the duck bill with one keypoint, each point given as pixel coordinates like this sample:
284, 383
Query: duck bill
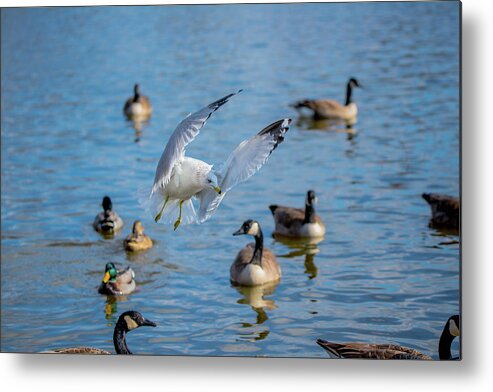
106, 277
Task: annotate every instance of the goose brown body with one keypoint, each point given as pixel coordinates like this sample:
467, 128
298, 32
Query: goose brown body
254, 265
127, 321
331, 109
138, 107
298, 222
371, 351
392, 351
243, 273
445, 210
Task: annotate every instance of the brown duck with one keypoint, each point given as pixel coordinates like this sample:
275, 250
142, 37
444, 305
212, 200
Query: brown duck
137, 240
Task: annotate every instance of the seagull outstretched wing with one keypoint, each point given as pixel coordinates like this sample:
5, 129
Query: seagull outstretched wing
185, 132
244, 161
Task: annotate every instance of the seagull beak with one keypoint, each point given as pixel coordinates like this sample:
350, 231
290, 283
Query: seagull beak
217, 189
106, 277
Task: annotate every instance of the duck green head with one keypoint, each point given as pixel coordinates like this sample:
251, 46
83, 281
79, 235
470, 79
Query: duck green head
110, 273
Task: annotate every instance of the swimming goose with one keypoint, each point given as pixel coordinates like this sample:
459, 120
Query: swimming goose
298, 222
137, 107
254, 265
117, 282
179, 178
137, 240
392, 351
127, 321
445, 210
330, 109
107, 221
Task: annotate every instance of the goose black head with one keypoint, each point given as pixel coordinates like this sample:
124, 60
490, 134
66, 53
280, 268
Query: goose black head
110, 273
132, 319
137, 89
107, 204
354, 83
454, 325
311, 198
250, 227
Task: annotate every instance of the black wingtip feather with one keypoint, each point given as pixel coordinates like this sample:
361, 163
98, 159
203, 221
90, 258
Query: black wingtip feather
277, 129
217, 104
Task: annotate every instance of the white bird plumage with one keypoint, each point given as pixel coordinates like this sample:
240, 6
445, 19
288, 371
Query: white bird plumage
179, 178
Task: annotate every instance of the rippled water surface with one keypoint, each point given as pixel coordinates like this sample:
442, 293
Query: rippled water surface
380, 275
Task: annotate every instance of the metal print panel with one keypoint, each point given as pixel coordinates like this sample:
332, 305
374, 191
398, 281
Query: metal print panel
308, 207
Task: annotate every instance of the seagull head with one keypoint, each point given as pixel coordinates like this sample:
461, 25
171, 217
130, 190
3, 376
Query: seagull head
211, 182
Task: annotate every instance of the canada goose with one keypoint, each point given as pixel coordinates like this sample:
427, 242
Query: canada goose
179, 178
254, 265
138, 107
117, 282
107, 221
127, 321
330, 109
445, 210
137, 240
298, 222
392, 351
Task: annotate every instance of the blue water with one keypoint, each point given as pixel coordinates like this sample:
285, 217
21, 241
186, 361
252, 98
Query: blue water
380, 275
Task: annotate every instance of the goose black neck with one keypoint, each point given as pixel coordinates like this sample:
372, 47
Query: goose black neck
119, 340
259, 248
309, 214
349, 92
444, 344
136, 96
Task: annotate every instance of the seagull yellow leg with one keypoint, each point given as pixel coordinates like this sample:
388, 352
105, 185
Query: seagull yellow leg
178, 221
158, 216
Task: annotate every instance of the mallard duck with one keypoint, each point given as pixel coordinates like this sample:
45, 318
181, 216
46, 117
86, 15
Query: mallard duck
254, 265
138, 107
137, 240
127, 321
330, 109
392, 351
117, 282
298, 222
445, 210
107, 221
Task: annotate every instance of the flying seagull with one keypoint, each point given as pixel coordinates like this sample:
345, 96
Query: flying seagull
180, 178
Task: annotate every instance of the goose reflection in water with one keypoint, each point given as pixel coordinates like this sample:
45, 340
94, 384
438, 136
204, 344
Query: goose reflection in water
255, 297
308, 123
302, 247
138, 126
